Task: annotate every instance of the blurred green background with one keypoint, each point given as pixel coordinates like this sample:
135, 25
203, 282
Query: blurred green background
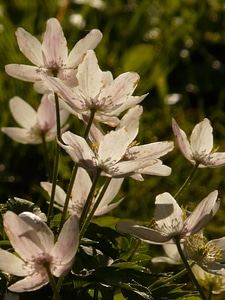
177, 47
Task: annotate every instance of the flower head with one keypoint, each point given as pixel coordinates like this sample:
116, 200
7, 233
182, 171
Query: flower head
80, 191
98, 92
113, 154
33, 241
35, 125
171, 222
51, 57
200, 148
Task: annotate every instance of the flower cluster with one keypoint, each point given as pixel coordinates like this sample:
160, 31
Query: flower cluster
73, 85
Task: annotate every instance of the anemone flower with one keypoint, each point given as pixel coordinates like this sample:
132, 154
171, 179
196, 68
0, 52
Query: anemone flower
171, 222
200, 148
80, 191
37, 254
97, 91
51, 57
35, 125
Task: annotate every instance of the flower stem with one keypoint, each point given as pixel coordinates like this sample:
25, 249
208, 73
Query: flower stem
187, 181
46, 157
96, 204
188, 267
88, 202
56, 161
52, 283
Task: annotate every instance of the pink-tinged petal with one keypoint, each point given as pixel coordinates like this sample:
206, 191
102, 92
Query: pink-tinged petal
110, 194
152, 150
22, 236
120, 89
182, 140
90, 41
111, 121
23, 72
202, 138
11, 264
145, 234
60, 195
157, 169
23, 113
66, 247
21, 135
79, 150
81, 187
44, 233
54, 45
128, 103
216, 159
90, 85
114, 145
29, 46
30, 283
46, 114
202, 214
168, 214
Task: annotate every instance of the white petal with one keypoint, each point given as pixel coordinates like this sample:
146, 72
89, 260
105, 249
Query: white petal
216, 159
54, 44
23, 113
21, 135
182, 140
29, 46
66, 247
202, 138
90, 41
23, 72
202, 214
11, 264
157, 169
30, 283
168, 214
46, 114
60, 195
146, 234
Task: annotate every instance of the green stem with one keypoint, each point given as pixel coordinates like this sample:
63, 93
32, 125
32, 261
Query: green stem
68, 195
187, 181
95, 206
90, 121
46, 157
88, 202
52, 283
56, 162
188, 267
138, 243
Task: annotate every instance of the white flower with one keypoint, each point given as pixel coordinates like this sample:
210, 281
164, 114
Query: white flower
80, 191
172, 255
51, 57
96, 90
33, 241
35, 125
171, 222
113, 152
200, 148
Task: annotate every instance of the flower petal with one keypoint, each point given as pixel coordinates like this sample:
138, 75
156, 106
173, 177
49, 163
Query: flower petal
145, 234
23, 72
90, 41
29, 46
46, 115
168, 214
21, 135
11, 264
54, 45
23, 113
182, 140
66, 247
30, 283
202, 138
216, 159
202, 214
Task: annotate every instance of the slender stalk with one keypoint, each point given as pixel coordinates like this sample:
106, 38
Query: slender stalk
56, 161
187, 181
90, 121
46, 157
95, 206
138, 243
68, 195
187, 266
52, 283
88, 202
